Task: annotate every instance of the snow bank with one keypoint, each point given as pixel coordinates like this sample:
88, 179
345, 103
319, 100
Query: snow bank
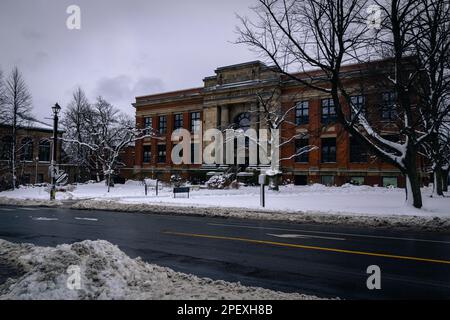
413, 222
108, 273
348, 204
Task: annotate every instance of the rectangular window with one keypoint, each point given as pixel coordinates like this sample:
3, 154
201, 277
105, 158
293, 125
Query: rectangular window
178, 121
27, 150
329, 150
300, 145
357, 181
358, 105
162, 124
302, 113
161, 153
358, 152
148, 125
389, 182
44, 151
300, 180
195, 153
40, 178
388, 110
147, 154
328, 111
195, 121
327, 180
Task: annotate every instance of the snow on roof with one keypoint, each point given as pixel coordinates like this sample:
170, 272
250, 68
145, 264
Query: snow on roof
34, 124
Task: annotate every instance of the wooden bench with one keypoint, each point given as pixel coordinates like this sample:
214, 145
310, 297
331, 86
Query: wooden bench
177, 190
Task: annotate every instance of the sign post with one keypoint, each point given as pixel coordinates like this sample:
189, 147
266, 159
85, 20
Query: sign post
262, 181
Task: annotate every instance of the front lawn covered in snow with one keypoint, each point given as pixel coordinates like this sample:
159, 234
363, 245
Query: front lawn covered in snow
348, 199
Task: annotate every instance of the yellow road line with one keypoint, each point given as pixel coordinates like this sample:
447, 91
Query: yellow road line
300, 246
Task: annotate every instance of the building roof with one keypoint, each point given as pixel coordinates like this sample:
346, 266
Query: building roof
33, 124
316, 74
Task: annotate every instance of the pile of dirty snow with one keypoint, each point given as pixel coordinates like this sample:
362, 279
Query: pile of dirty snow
108, 273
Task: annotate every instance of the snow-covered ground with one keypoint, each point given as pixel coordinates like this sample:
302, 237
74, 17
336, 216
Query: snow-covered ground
346, 199
108, 273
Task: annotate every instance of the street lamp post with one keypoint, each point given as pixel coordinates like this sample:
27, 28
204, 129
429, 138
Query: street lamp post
56, 108
36, 171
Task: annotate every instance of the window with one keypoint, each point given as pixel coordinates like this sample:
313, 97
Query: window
147, 154
389, 181
299, 145
328, 111
40, 178
195, 150
243, 121
358, 103
6, 148
161, 153
195, 121
357, 181
329, 150
148, 125
327, 180
26, 152
358, 152
162, 124
178, 121
302, 113
44, 150
388, 111
300, 180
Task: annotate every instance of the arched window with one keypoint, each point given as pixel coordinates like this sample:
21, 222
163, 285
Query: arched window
243, 121
26, 150
6, 148
44, 150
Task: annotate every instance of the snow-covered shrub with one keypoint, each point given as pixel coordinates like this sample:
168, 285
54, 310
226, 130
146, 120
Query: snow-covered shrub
176, 180
219, 181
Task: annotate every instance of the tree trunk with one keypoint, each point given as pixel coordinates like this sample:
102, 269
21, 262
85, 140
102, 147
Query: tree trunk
13, 160
109, 182
13, 165
445, 180
437, 182
413, 194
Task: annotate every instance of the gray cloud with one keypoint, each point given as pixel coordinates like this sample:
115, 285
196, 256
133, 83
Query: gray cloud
124, 48
122, 87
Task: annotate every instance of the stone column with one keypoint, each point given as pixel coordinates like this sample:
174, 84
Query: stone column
225, 116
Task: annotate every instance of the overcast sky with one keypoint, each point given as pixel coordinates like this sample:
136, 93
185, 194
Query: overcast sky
125, 48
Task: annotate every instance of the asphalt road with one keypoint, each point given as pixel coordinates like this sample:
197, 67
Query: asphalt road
327, 261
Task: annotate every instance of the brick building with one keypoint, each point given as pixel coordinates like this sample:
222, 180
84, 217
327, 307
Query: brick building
33, 153
229, 99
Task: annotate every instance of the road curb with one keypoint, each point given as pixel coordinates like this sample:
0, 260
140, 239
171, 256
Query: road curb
402, 222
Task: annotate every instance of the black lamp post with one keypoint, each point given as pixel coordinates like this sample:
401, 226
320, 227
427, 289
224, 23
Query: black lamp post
56, 109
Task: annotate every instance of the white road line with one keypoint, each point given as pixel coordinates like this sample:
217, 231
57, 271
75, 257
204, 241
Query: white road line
45, 219
88, 219
331, 233
6, 209
30, 209
293, 236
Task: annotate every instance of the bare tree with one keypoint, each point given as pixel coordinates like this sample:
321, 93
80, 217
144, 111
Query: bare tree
17, 111
325, 35
432, 50
76, 128
109, 132
2, 98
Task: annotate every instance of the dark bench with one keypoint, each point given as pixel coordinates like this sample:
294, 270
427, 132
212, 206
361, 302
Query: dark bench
180, 190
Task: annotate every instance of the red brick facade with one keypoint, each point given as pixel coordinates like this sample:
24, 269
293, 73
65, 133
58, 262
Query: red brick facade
232, 91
